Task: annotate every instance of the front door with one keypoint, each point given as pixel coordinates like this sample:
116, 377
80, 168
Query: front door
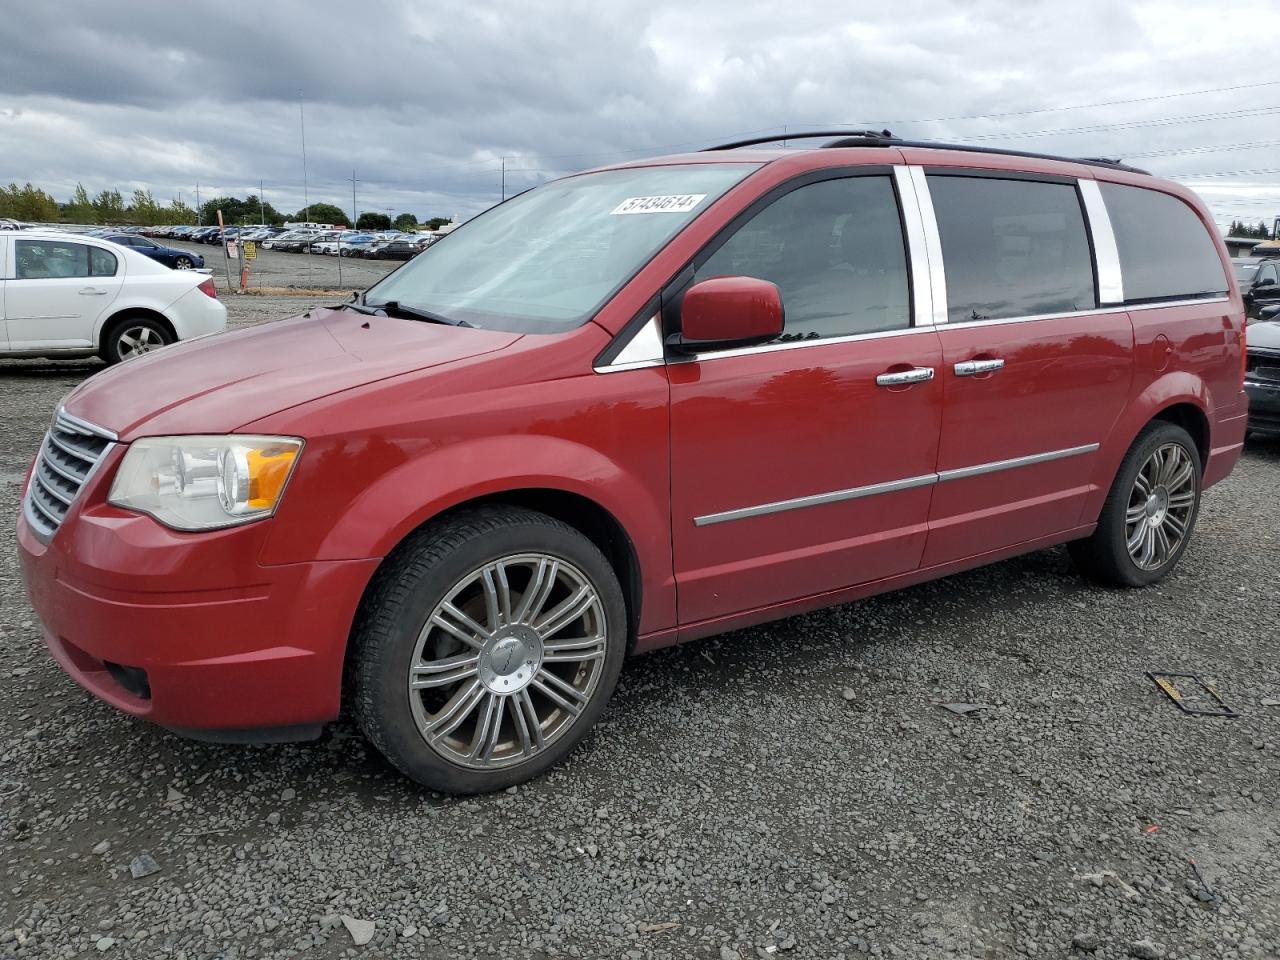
806, 465
1033, 374
1265, 291
59, 290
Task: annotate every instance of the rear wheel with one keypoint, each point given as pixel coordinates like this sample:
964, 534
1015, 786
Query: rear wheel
132, 337
486, 649
183, 263
1150, 512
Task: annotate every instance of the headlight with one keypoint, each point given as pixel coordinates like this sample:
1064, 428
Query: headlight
201, 483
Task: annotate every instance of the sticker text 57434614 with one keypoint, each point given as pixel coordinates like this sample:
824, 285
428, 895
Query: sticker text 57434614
675, 203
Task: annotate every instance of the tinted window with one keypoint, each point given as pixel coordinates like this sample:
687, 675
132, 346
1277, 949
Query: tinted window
50, 259
1165, 251
1268, 272
1012, 248
102, 263
834, 249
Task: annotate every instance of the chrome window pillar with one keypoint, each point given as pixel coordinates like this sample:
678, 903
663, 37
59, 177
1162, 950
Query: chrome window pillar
928, 277
1106, 254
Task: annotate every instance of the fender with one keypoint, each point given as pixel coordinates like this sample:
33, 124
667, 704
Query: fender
1171, 389
409, 494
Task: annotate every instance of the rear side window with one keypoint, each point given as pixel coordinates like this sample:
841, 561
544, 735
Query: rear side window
834, 249
1165, 251
102, 263
1012, 248
50, 259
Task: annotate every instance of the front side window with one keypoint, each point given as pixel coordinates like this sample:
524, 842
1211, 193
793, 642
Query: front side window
1166, 253
1266, 273
1012, 248
547, 260
835, 251
50, 259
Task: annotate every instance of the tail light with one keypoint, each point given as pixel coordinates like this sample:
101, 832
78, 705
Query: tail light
1244, 351
206, 287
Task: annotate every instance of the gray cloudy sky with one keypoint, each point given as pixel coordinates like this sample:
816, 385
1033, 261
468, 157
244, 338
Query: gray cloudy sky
423, 99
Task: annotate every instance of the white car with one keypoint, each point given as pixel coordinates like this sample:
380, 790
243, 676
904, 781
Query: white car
70, 295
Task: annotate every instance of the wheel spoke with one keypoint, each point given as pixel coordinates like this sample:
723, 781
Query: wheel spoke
559, 691
1135, 513
1182, 499
441, 673
1175, 525
1136, 538
578, 650
539, 589
567, 612
457, 624
492, 604
487, 730
1141, 485
527, 723
1161, 548
1182, 477
456, 710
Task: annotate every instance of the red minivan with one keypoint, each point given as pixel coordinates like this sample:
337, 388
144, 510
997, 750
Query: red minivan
629, 408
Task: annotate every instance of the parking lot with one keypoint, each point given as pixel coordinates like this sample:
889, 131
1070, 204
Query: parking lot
273, 270
796, 789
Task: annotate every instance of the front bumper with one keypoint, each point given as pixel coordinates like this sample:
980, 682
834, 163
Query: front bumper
188, 630
1264, 406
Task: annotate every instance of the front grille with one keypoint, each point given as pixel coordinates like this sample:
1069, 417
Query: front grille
72, 449
1262, 366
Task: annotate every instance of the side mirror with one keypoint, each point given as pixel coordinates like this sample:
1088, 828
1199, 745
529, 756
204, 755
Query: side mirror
730, 311
1265, 282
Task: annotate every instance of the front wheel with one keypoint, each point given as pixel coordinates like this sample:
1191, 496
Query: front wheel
488, 645
183, 263
1146, 522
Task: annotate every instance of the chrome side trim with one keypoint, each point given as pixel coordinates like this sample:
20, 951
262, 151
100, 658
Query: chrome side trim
817, 499
917, 249
932, 245
997, 465
797, 344
1096, 311
891, 486
643, 350
1105, 253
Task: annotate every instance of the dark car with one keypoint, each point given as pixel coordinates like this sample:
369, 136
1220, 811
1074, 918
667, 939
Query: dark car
398, 250
202, 234
169, 256
1259, 282
1262, 373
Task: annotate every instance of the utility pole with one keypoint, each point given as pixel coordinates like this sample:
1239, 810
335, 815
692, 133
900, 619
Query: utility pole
199, 212
302, 125
354, 215
262, 215
504, 178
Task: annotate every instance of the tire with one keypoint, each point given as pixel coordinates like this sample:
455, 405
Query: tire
183, 263
131, 337
488, 671
1149, 514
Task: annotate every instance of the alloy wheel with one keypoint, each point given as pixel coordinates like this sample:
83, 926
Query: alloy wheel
507, 661
135, 341
1160, 505
183, 264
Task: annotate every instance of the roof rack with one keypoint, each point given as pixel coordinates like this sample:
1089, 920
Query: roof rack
883, 138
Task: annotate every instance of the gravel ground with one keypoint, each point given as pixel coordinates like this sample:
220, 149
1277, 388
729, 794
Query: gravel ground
789, 790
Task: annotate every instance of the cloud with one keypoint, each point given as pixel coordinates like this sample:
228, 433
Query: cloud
424, 101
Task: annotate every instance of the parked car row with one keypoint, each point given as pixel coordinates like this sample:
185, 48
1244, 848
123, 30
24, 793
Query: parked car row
387, 245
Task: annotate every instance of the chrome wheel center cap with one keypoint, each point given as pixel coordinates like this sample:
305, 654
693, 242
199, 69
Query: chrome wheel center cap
1157, 506
509, 660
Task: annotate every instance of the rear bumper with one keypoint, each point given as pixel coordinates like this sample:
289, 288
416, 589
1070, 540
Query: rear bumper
1264, 406
166, 627
1228, 443
195, 314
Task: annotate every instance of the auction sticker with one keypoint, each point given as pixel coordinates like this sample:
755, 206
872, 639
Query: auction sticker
675, 203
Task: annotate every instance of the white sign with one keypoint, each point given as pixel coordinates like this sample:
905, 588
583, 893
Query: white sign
676, 203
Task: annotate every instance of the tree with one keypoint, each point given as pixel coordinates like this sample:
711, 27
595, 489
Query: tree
322, 213
239, 212
108, 206
80, 209
373, 221
406, 222
27, 203
435, 223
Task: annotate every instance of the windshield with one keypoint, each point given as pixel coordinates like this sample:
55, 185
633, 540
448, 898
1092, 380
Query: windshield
546, 260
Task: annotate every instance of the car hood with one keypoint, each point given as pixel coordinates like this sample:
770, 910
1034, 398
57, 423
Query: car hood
217, 384
1265, 335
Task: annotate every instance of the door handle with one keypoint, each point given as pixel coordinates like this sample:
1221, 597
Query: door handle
971, 368
92, 292
914, 375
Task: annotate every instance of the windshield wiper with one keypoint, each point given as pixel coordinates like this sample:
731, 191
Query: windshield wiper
395, 307
398, 309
